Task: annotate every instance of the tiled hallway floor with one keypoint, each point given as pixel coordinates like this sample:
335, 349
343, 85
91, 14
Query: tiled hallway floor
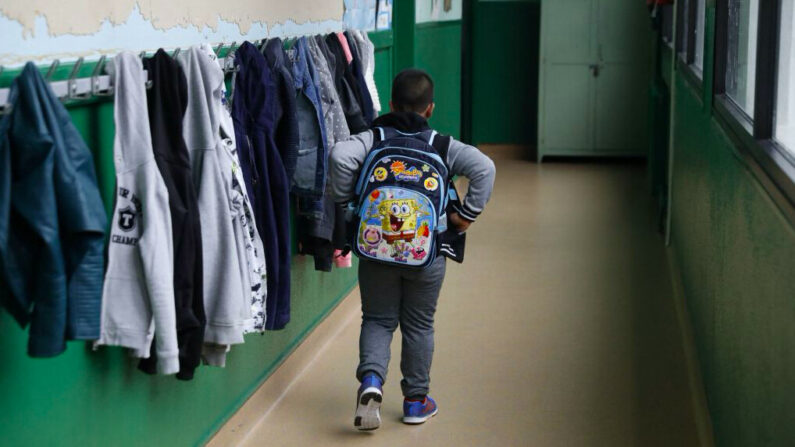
559, 330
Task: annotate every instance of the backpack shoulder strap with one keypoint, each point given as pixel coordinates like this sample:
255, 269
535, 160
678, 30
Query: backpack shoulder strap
383, 133
441, 143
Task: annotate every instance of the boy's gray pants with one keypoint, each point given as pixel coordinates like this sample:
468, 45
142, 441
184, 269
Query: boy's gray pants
392, 295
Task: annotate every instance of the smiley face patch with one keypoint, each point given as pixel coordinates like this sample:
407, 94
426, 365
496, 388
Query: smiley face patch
380, 174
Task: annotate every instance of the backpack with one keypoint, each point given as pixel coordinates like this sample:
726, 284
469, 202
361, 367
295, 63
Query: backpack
402, 193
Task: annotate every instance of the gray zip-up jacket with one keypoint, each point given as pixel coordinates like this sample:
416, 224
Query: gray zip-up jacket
348, 156
333, 115
138, 294
224, 292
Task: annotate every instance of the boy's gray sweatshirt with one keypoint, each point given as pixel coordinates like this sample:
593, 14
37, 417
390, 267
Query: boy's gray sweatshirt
138, 294
225, 298
348, 156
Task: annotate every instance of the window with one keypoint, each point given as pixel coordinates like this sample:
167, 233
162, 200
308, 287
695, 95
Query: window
785, 100
682, 16
692, 16
755, 88
698, 35
741, 37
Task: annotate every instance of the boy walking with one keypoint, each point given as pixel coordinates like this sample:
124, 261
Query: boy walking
391, 293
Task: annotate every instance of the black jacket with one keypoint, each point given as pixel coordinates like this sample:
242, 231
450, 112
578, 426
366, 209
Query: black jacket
365, 101
167, 100
346, 84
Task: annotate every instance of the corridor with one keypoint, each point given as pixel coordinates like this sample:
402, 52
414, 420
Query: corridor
560, 329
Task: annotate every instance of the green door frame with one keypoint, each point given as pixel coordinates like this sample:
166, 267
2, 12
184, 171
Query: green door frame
467, 65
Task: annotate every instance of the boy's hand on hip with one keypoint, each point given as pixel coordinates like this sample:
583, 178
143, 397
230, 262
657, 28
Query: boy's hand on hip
457, 222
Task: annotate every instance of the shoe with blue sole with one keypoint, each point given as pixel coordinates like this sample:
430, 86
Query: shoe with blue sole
418, 411
368, 403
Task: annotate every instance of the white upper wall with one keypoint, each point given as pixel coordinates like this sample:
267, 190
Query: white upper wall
42, 30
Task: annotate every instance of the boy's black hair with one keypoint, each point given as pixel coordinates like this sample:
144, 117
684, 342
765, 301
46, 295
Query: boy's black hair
412, 90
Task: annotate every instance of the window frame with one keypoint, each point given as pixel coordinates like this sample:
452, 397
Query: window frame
686, 54
754, 135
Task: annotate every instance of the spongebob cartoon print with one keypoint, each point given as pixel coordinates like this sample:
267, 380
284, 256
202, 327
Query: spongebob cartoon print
396, 226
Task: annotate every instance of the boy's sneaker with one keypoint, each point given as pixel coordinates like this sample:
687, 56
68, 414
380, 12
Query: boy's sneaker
419, 411
368, 403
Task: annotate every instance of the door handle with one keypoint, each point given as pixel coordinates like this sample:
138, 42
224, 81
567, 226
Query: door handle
595, 69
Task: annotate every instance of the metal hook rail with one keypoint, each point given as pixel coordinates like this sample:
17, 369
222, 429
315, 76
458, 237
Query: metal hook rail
98, 85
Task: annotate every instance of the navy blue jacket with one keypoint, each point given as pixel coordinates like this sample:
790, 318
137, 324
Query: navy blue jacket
285, 117
254, 113
52, 220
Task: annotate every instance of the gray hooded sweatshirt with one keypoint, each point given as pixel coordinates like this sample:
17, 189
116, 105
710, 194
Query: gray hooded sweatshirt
225, 298
138, 294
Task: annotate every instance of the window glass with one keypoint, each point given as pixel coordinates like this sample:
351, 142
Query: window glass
682, 25
698, 58
741, 53
785, 102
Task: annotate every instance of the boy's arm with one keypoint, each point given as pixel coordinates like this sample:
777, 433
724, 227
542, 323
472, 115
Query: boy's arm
345, 162
468, 161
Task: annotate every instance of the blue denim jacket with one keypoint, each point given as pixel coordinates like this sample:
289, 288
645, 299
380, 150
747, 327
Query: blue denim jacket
52, 223
310, 171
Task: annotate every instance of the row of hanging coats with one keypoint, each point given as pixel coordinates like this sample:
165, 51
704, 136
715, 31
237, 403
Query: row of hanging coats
198, 252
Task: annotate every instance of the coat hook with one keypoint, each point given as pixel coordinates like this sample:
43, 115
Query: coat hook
176, 53
71, 84
5, 109
95, 90
52, 69
218, 49
142, 55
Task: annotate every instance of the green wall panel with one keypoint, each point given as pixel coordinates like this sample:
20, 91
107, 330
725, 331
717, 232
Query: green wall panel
735, 248
99, 398
438, 51
505, 72
384, 66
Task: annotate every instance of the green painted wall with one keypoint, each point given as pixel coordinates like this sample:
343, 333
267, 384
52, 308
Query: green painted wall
504, 87
384, 66
438, 51
86, 398
735, 248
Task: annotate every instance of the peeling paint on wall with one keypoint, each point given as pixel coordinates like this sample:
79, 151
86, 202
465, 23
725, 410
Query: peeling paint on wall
82, 17
41, 30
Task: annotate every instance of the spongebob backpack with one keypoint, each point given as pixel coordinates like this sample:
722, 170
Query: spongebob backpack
402, 194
